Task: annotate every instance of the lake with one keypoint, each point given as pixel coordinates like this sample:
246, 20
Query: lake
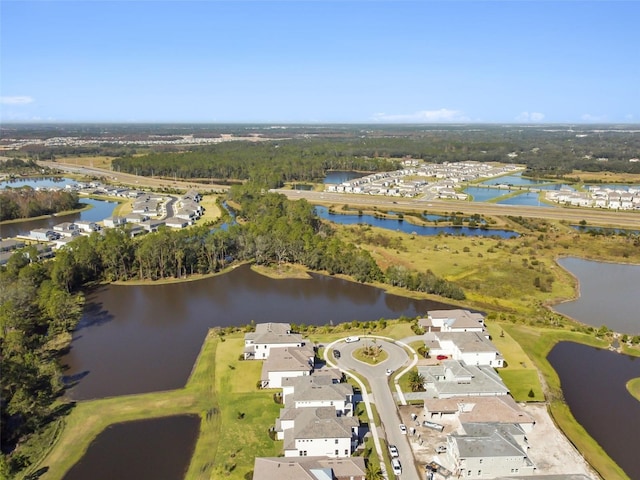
593, 385
144, 338
407, 227
608, 294
160, 449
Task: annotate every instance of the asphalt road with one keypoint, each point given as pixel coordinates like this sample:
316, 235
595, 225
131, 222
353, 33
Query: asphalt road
573, 215
381, 394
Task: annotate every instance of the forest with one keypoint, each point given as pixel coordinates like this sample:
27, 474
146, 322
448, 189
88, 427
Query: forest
41, 301
25, 202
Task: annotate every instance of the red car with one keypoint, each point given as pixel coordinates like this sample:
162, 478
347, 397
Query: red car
442, 357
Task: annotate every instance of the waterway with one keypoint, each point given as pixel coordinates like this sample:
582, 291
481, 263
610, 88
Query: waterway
593, 384
143, 338
407, 227
160, 449
608, 294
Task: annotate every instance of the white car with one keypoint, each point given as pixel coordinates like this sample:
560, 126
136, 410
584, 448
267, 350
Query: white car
397, 467
393, 451
389, 372
403, 429
352, 339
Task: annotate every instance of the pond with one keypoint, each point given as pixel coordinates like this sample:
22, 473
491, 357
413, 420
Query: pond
608, 294
531, 199
513, 180
339, 176
593, 385
38, 182
160, 448
406, 227
143, 338
101, 210
481, 194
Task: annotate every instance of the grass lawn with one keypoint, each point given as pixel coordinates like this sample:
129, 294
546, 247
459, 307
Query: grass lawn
634, 388
229, 438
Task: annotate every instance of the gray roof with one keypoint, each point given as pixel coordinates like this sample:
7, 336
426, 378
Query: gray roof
308, 468
309, 389
484, 446
456, 318
273, 333
318, 422
288, 359
461, 380
468, 342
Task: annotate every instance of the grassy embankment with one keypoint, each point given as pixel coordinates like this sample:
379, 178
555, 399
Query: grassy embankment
235, 415
514, 281
634, 388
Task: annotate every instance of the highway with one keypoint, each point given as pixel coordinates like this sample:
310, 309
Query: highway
592, 216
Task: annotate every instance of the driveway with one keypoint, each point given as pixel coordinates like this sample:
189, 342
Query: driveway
381, 394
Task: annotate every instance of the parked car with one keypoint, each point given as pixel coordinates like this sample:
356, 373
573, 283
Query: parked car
352, 339
442, 357
396, 466
393, 451
441, 449
389, 372
403, 429
336, 353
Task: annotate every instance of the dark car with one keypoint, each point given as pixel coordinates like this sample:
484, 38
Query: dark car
336, 353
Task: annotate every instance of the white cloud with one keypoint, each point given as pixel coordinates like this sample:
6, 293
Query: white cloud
587, 117
530, 117
423, 116
16, 100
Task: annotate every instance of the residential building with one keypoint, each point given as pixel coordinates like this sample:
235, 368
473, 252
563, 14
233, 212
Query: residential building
286, 362
455, 320
258, 344
472, 348
309, 468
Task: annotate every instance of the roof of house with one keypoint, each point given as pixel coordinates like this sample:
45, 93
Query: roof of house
458, 379
468, 342
317, 423
309, 468
311, 389
494, 445
288, 359
502, 408
273, 333
457, 318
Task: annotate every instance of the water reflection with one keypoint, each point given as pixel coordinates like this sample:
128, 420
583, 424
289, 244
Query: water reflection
593, 384
143, 338
160, 448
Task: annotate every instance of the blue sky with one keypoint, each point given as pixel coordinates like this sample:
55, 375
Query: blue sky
362, 61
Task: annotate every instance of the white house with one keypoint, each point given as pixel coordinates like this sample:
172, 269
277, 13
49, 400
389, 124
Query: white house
318, 432
175, 222
472, 348
455, 379
258, 344
112, 222
489, 451
455, 320
87, 226
318, 391
286, 362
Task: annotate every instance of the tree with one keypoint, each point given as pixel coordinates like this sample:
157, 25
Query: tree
416, 381
373, 472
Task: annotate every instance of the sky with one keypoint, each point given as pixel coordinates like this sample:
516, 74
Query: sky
316, 61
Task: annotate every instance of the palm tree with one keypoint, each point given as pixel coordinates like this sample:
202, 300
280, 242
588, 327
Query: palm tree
373, 472
416, 381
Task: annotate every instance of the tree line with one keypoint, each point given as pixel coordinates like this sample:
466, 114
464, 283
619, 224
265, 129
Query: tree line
25, 202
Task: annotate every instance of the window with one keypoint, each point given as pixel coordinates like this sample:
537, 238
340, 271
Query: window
346, 452
336, 441
336, 453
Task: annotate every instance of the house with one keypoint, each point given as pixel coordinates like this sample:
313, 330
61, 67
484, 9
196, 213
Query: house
286, 362
152, 225
135, 218
454, 378
309, 468
43, 235
87, 226
489, 451
175, 222
317, 432
471, 347
113, 222
258, 344
455, 320
66, 229
318, 391
492, 409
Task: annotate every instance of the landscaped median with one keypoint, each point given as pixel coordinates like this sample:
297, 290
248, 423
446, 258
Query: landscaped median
235, 415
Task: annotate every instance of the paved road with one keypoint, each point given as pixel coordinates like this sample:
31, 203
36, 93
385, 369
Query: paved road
381, 394
572, 215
